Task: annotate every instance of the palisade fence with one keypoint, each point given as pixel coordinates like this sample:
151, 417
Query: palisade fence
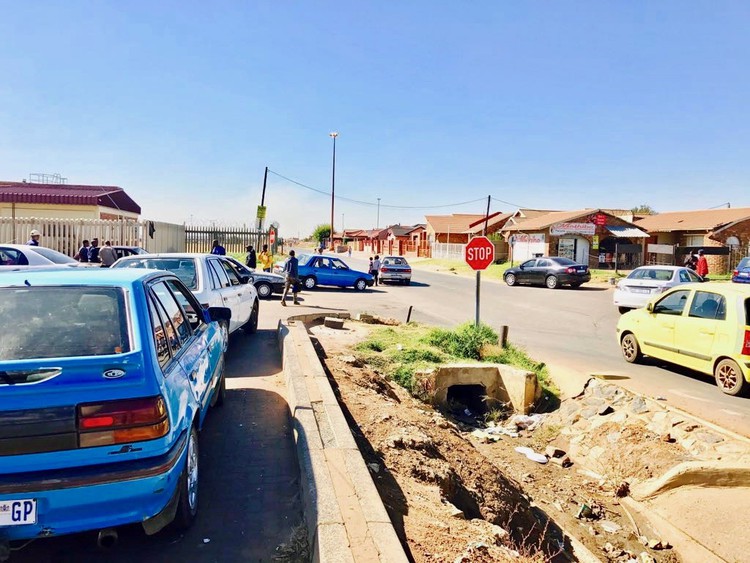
448, 251
66, 235
233, 239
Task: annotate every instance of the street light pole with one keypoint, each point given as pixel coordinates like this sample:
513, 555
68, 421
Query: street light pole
333, 135
377, 222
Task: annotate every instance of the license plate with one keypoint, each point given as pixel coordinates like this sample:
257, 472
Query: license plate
17, 512
640, 290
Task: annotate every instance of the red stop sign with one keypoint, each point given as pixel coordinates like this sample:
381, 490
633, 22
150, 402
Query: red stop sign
479, 253
272, 236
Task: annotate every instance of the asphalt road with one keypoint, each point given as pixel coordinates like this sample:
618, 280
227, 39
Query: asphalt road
573, 331
249, 478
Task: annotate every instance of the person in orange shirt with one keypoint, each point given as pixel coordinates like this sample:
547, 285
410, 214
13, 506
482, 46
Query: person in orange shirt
702, 267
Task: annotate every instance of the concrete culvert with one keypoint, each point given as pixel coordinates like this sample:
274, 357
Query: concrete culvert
472, 397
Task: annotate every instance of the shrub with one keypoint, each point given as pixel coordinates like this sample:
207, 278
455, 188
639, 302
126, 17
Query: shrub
374, 345
464, 342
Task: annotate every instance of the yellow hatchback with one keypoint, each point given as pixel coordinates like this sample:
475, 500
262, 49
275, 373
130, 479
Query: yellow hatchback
704, 327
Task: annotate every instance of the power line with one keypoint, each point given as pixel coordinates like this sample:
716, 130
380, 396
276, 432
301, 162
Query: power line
509, 203
369, 203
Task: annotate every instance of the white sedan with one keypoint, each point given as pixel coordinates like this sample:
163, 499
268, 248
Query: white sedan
643, 283
26, 255
212, 279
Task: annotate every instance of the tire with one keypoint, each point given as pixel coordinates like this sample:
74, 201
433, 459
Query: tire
224, 326
264, 290
251, 326
623, 310
729, 378
510, 279
221, 389
552, 282
575, 285
407, 282
187, 506
360, 285
630, 348
309, 282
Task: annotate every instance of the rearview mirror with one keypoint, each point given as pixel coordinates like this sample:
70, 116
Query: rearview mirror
650, 307
219, 314
245, 278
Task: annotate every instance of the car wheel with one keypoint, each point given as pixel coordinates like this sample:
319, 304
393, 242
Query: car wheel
187, 506
264, 290
729, 377
251, 326
360, 285
623, 310
631, 350
221, 390
407, 282
310, 282
551, 282
510, 279
224, 327
575, 285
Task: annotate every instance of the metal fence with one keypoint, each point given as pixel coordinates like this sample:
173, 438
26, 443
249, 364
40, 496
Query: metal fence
233, 239
451, 251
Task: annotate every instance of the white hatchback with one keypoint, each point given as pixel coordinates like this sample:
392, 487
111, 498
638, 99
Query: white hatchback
643, 283
212, 279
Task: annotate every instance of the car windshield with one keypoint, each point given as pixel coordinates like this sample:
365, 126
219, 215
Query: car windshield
54, 255
183, 268
655, 274
564, 261
744, 263
62, 322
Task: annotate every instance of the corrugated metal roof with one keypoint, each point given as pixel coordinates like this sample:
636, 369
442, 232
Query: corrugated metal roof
455, 223
701, 220
68, 194
626, 232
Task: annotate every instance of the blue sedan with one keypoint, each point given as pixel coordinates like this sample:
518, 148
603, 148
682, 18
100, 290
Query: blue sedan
741, 273
316, 269
105, 380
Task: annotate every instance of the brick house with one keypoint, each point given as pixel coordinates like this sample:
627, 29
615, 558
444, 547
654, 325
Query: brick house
453, 229
725, 232
61, 201
595, 237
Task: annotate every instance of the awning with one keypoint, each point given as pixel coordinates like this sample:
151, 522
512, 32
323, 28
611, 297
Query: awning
626, 232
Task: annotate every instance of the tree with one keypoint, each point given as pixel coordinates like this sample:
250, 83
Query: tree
321, 233
644, 209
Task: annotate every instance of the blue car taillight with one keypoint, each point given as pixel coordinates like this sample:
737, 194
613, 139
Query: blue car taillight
117, 422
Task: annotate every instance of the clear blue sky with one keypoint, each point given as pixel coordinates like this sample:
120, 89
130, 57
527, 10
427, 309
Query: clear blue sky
543, 104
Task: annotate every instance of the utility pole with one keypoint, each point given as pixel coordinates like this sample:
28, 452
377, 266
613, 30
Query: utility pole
261, 210
377, 221
333, 135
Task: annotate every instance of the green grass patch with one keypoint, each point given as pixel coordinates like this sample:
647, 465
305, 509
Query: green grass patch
401, 353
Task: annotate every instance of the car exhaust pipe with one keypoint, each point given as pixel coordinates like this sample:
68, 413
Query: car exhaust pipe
107, 538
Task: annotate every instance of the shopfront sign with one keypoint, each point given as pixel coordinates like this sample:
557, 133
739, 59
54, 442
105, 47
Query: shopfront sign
573, 229
527, 238
595, 242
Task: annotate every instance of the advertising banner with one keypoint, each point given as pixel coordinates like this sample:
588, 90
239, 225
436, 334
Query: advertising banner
573, 229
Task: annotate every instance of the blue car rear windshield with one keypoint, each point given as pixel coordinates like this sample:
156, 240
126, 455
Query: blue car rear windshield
62, 322
183, 268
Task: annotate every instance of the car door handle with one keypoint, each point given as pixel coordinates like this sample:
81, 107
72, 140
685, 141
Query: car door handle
669, 326
704, 331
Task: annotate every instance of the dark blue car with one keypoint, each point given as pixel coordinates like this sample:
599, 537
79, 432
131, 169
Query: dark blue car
105, 380
318, 269
741, 273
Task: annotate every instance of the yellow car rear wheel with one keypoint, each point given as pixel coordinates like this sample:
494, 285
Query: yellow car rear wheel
631, 350
729, 377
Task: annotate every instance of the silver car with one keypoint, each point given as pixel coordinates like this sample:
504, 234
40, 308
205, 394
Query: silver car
643, 283
395, 269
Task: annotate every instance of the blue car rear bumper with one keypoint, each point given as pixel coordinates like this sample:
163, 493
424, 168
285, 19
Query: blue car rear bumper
92, 498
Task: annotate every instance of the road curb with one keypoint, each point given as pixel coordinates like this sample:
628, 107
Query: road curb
714, 474
344, 514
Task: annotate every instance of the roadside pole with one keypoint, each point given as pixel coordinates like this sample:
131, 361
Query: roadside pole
480, 253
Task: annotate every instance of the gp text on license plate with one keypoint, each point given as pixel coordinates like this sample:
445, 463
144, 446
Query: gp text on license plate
17, 512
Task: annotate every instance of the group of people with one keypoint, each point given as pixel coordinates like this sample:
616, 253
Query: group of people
91, 252
374, 268
265, 258
698, 263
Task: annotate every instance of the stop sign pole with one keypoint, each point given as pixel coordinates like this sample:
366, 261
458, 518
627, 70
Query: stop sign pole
479, 253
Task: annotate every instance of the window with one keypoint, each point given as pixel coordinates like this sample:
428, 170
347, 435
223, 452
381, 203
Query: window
183, 268
179, 331
544, 263
528, 264
62, 322
694, 277
694, 240
188, 303
338, 265
672, 304
231, 274
160, 336
221, 275
707, 305
12, 257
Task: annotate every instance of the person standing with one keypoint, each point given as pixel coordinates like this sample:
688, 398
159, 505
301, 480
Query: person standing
83, 252
108, 255
701, 267
291, 270
350, 251
217, 249
266, 260
251, 260
376, 268
94, 251
34, 237
691, 261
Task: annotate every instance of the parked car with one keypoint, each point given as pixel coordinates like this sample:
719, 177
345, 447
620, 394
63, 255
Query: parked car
551, 271
319, 269
266, 283
121, 251
25, 255
643, 283
212, 279
741, 273
395, 269
106, 379
704, 327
